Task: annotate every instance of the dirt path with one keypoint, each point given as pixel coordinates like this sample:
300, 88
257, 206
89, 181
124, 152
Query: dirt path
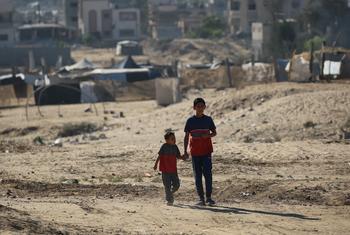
286, 171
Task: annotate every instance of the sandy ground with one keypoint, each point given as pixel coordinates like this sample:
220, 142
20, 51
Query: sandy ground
280, 166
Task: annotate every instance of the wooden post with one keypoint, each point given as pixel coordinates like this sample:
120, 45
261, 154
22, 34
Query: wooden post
311, 65
229, 75
323, 58
291, 66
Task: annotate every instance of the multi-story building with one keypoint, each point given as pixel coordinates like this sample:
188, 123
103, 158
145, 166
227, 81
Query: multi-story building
70, 9
103, 20
7, 27
164, 19
243, 13
256, 18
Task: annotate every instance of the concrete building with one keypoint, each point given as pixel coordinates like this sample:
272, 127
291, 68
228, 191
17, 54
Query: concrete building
7, 26
41, 33
218, 8
164, 19
70, 9
261, 36
243, 13
101, 19
126, 24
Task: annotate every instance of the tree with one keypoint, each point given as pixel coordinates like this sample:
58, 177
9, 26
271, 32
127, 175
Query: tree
212, 27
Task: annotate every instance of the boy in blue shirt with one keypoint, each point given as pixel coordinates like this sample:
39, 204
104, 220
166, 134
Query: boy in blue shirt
199, 130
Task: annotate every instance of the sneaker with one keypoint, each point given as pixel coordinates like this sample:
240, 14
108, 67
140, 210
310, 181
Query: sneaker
210, 202
200, 203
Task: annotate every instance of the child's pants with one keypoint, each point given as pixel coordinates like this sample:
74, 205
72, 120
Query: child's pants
171, 185
202, 167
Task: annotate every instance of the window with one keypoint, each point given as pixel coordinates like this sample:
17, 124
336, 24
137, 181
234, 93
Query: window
235, 5
107, 15
127, 16
251, 5
296, 4
126, 33
74, 19
4, 37
74, 4
107, 33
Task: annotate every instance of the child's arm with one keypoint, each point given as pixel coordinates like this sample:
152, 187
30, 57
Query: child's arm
156, 163
187, 135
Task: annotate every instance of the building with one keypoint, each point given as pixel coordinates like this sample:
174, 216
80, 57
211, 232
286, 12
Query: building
191, 20
103, 20
40, 33
218, 8
7, 26
70, 9
261, 36
243, 13
164, 19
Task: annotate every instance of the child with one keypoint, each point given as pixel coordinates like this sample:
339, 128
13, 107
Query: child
199, 130
168, 155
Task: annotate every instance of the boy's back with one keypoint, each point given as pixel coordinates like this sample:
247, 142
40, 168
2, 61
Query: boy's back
168, 155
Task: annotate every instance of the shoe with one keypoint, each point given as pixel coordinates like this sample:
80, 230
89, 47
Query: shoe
170, 203
210, 202
200, 203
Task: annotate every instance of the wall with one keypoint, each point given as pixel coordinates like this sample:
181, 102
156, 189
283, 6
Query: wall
11, 36
121, 22
6, 5
85, 7
20, 57
71, 13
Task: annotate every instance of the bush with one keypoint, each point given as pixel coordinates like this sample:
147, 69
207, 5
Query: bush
317, 41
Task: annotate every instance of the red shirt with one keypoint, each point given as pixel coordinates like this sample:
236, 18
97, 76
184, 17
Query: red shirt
168, 156
196, 127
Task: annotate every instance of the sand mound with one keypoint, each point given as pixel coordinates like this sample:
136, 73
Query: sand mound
196, 50
273, 112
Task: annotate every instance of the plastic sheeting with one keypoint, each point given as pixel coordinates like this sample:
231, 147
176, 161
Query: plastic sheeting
299, 69
332, 68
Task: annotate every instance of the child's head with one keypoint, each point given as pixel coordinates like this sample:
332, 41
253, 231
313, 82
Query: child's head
170, 138
199, 106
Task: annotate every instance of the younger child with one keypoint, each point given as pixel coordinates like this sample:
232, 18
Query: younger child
168, 155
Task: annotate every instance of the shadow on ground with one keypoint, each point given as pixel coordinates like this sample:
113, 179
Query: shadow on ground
236, 210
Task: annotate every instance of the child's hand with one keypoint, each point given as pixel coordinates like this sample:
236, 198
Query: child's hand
185, 157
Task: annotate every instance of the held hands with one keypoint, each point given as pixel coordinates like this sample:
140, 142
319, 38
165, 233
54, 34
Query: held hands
185, 157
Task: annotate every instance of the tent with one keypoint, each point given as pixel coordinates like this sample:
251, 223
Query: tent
83, 64
128, 63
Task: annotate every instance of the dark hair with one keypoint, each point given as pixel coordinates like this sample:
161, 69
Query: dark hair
168, 134
198, 100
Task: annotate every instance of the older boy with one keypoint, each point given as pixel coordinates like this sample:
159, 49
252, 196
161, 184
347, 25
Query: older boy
168, 155
199, 130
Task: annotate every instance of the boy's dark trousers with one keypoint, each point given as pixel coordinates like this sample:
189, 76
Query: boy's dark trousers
202, 167
171, 185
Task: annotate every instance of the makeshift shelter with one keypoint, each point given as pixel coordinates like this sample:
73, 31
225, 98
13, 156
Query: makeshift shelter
127, 62
298, 68
258, 72
281, 73
83, 64
129, 48
55, 90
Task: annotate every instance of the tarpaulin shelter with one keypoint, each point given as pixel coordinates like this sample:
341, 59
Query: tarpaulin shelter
83, 64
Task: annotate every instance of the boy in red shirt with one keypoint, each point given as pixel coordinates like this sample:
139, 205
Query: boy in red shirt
168, 155
199, 130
